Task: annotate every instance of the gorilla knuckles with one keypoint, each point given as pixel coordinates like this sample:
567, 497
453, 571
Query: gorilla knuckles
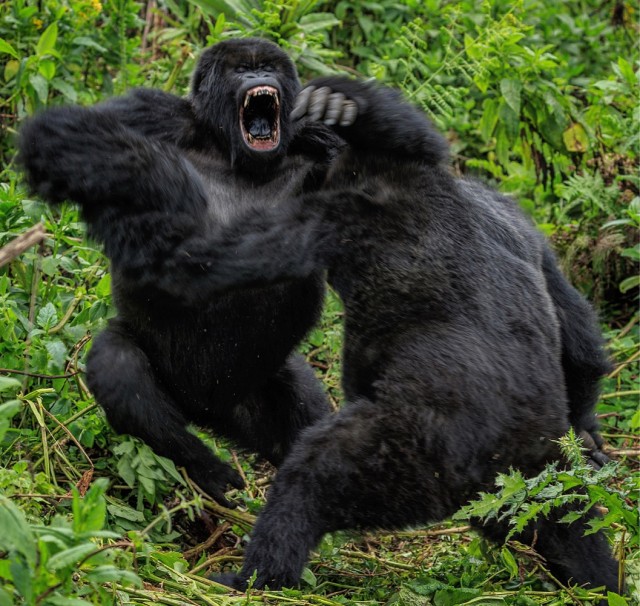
152, 171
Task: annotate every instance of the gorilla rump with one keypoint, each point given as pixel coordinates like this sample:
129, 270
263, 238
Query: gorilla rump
466, 352
151, 169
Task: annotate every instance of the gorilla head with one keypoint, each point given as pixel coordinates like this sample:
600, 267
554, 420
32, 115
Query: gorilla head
243, 90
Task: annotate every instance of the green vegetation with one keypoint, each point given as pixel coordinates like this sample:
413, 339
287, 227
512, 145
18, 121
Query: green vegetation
540, 97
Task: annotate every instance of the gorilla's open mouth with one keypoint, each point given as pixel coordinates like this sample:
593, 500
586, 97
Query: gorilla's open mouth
260, 118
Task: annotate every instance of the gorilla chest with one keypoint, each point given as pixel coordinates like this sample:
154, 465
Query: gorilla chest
230, 193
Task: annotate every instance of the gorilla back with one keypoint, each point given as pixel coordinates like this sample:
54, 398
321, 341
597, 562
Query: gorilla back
151, 169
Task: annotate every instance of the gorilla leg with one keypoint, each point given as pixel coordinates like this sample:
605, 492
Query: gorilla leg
122, 380
366, 466
269, 421
583, 357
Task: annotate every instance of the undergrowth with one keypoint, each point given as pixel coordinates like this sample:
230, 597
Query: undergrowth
540, 97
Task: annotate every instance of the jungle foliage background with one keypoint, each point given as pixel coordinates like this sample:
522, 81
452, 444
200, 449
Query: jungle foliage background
537, 97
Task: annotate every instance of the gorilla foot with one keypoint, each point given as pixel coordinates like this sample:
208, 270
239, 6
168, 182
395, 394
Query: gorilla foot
230, 579
213, 477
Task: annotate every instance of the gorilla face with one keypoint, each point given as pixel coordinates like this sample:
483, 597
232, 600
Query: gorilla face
242, 94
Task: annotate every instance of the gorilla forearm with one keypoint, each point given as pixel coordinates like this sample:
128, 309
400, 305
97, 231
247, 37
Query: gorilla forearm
262, 248
89, 156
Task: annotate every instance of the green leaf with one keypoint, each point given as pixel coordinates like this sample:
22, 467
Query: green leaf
65, 88
509, 562
47, 316
16, 536
7, 411
103, 288
47, 68
575, 138
9, 384
613, 599
11, 69
60, 600
47, 41
6, 48
89, 43
40, 85
111, 574
450, 597
489, 117
630, 283
6, 599
509, 121
71, 556
308, 577
510, 90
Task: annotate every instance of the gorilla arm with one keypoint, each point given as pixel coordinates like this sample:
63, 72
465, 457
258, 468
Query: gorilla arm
262, 247
90, 157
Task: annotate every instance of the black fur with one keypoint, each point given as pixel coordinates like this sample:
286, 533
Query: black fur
461, 341
150, 170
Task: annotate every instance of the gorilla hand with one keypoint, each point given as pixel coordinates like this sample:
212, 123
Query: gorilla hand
322, 104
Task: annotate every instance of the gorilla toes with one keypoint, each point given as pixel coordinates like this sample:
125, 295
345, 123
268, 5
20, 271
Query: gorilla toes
592, 445
322, 104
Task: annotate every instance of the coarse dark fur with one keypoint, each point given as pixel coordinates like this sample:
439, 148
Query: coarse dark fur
466, 352
149, 170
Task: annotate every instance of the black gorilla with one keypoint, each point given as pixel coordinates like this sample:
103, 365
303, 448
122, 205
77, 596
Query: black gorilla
466, 352
151, 169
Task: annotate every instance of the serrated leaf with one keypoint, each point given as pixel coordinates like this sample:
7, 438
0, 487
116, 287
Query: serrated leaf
57, 351
47, 40
47, 316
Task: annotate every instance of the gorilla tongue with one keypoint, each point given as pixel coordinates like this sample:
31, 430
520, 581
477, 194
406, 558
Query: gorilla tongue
260, 118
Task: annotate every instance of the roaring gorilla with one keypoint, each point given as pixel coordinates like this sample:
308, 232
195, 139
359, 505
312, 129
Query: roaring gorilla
150, 169
466, 352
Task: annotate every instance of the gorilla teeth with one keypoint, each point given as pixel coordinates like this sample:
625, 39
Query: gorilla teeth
260, 118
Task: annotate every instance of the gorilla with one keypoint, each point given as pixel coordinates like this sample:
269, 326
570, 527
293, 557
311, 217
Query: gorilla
151, 169
466, 353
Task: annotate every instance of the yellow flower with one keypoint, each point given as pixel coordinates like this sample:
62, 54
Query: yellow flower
37, 22
97, 5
